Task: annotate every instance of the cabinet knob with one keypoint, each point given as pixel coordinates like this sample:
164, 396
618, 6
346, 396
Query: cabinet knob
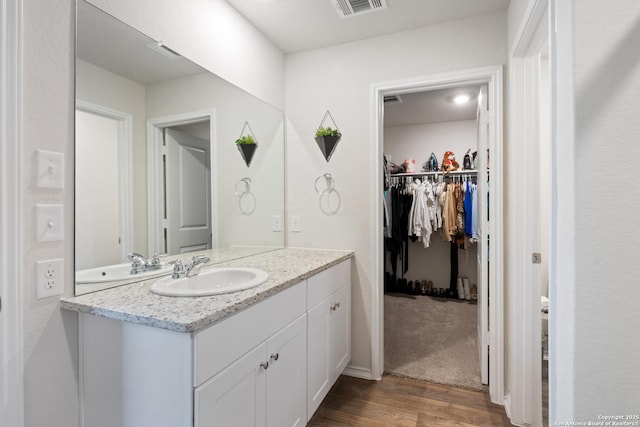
265, 365
275, 356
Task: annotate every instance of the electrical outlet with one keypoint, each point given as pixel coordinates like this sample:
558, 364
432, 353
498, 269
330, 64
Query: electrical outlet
276, 223
295, 223
49, 278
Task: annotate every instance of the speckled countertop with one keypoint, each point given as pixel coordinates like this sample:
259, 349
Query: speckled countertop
135, 302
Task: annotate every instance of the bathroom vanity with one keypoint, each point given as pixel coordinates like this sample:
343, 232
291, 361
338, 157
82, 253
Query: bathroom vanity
266, 356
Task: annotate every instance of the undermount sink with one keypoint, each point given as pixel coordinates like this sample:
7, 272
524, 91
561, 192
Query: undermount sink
213, 281
111, 273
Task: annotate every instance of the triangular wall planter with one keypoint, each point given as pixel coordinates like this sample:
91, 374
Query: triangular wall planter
328, 143
247, 150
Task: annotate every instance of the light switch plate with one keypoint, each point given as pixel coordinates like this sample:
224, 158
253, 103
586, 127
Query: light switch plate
49, 223
49, 278
295, 223
276, 223
50, 169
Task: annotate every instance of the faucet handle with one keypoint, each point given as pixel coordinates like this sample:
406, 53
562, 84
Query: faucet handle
155, 260
178, 269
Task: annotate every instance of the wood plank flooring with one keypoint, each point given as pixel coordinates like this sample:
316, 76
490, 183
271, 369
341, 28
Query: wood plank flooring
396, 401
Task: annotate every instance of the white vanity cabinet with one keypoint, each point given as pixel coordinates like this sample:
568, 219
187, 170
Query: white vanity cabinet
268, 365
265, 387
329, 331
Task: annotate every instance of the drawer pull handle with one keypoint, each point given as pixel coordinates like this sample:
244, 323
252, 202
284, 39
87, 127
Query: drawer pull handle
265, 365
335, 306
275, 356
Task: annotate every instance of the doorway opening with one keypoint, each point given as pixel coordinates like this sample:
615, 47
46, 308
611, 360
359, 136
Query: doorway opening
435, 236
181, 190
490, 126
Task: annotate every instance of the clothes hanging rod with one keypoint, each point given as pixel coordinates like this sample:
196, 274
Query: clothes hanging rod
459, 172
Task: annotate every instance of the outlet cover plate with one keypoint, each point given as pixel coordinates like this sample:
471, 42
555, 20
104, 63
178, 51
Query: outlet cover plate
49, 223
49, 278
50, 169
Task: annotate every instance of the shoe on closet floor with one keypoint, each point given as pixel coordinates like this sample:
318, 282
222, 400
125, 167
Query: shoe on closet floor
467, 288
460, 288
423, 287
474, 292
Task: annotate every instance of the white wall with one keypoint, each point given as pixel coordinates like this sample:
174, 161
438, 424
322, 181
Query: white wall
50, 335
596, 332
418, 142
338, 79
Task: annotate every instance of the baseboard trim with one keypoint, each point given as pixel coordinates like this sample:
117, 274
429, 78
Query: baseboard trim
358, 372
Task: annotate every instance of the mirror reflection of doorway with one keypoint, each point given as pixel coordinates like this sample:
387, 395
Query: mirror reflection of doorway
103, 226
187, 188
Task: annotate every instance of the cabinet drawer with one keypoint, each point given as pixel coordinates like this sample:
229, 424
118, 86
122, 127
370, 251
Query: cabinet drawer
325, 283
220, 344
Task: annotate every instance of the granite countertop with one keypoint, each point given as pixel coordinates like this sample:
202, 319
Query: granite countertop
135, 303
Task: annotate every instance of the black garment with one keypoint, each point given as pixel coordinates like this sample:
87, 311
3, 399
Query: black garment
398, 244
453, 279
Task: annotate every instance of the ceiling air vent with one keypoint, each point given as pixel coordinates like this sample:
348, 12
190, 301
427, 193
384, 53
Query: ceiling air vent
392, 99
349, 8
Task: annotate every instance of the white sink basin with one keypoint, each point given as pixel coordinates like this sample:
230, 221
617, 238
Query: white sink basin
112, 273
213, 281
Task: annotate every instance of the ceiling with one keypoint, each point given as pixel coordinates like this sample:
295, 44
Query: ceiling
298, 25
433, 106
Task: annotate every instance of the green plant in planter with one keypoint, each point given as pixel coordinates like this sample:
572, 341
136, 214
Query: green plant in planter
246, 139
328, 131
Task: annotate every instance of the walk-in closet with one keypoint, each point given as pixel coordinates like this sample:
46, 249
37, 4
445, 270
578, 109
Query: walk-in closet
436, 173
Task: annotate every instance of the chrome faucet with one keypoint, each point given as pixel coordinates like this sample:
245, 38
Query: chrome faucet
181, 270
139, 263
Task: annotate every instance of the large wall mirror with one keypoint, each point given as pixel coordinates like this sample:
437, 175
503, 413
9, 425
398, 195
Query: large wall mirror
157, 166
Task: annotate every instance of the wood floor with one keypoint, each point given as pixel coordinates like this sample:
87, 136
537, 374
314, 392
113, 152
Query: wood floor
396, 401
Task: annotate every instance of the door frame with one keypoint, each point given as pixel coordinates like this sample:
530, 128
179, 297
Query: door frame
524, 404
125, 169
11, 274
155, 190
492, 76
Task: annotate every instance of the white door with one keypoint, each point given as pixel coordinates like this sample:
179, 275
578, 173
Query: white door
287, 376
483, 230
236, 396
98, 237
319, 371
340, 331
188, 193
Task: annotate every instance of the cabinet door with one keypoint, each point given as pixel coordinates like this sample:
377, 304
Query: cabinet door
287, 376
340, 331
236, 396
318, 365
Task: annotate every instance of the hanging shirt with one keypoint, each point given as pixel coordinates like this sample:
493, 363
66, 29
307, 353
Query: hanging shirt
468, 209
474, 215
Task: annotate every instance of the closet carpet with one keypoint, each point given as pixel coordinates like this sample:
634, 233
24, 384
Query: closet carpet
432, 339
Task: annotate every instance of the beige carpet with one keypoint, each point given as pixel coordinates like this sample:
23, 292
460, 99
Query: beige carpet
432, 339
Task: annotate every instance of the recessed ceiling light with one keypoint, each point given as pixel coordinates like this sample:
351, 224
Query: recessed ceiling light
461, 99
